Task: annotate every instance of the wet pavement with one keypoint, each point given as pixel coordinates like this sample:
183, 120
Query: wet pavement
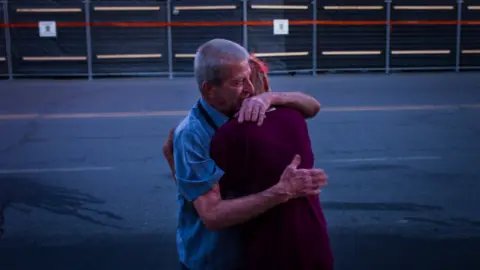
81, 189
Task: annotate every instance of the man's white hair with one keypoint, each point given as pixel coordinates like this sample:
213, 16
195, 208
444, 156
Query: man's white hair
213, 57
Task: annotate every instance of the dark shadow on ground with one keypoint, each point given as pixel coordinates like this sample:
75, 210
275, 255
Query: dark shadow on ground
408, 207
150, 252
24, 194
97, 253
372, 252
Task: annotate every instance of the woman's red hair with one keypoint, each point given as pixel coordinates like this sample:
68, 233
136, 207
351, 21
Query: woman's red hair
259, 77
263, 67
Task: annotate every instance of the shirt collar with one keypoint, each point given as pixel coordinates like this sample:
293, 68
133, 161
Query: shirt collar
218, 118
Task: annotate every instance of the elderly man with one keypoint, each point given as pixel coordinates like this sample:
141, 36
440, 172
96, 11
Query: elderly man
206, 236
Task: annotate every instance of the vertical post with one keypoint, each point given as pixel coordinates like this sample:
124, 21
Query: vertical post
244, 24
8, 40
314, 37
169, 39
89, 39
388, 33
459, 34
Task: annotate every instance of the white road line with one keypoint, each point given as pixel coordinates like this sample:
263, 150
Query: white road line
333, 109
380, 159
55, 170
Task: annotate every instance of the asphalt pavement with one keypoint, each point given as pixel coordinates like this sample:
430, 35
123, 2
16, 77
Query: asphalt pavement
83, 183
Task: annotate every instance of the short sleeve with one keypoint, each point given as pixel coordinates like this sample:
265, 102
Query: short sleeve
196, 172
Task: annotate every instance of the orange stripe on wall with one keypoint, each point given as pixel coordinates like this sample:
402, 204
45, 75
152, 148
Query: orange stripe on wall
238, 23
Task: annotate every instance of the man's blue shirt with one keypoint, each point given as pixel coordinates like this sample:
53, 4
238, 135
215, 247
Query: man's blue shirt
196, 174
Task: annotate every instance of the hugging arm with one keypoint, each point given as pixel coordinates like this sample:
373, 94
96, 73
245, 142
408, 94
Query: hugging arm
254, 108
168, 151
305, 104
199, 183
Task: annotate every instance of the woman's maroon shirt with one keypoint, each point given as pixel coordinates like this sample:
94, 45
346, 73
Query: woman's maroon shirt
293, 235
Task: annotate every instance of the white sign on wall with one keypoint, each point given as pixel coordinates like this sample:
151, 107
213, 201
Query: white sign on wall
280, 27
47, 29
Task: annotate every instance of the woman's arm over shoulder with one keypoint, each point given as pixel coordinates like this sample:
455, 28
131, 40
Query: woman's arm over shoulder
305, 104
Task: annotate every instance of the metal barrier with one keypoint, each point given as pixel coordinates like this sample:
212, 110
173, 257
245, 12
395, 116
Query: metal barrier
98, 38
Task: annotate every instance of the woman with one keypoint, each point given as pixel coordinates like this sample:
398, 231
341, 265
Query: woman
292, 235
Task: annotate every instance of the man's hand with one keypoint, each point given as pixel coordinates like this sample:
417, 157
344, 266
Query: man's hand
217, 213
254, 108
296, 182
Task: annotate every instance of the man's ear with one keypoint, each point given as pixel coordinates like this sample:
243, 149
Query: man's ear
207, 90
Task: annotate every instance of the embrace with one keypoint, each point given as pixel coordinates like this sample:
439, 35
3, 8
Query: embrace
244, 170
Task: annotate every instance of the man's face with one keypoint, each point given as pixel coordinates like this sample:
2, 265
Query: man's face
228, 96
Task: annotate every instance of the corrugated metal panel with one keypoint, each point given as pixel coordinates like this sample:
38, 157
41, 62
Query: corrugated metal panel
187, 38
44, 3
32, 54
355, 39
419, 45
470, 56
130, 37
3, 53
282, 52
129, 49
